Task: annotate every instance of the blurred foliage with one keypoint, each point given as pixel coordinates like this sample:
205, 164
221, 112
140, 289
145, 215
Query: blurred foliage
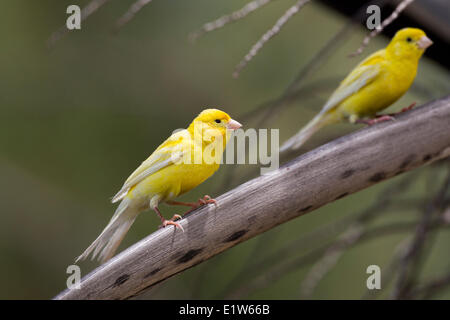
77, 119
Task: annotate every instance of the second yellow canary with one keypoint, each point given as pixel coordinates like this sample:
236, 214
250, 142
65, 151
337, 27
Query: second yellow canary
372, 86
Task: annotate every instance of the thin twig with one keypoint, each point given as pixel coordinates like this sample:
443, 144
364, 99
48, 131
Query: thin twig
131, 12
413, 251
352, 235
446, 214
389, 271
289, 266
229, 18
89, 9
329, 259
400, 7
263, 265
431, 288
269, 34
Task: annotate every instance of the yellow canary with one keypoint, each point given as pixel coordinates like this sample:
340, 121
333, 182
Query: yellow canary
186, 159
372, 86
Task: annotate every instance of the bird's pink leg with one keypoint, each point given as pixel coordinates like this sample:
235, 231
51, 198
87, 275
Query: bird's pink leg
385, 117
373, 121
412, 105
169, 222
194, 205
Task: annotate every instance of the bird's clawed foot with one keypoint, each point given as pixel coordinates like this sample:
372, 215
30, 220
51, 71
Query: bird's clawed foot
172, 222
176, 217
205, 200
165, 222
201, 202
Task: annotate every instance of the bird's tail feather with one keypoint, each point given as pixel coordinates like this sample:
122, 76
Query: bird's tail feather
107, 242
306, 132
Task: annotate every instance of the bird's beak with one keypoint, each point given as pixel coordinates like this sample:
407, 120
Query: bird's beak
233, 125
424, 42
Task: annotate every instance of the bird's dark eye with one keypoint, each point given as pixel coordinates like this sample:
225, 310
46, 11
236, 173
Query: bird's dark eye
217, 121
409, 39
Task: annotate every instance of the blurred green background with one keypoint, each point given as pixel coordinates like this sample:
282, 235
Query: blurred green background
77, 119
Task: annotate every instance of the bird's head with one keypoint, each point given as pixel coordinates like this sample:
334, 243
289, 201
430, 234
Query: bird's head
409, 43
214, 120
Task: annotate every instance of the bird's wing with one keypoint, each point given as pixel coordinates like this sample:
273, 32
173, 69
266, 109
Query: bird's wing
169, 152
363, 74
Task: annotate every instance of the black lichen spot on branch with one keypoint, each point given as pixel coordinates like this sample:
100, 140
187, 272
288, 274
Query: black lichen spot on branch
305, 209
152, 273
121, 280
347, 173
377, 177
251, 219
400, 172
189, 255
431, 156
407, 161
235, 236
342, 195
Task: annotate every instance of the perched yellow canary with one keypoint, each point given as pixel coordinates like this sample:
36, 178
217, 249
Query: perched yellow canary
371, 86
186, 159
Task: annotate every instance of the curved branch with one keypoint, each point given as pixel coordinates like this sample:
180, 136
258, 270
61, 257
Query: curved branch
332, 171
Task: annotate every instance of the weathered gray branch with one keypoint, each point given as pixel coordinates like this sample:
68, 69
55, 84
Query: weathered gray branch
330, 172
